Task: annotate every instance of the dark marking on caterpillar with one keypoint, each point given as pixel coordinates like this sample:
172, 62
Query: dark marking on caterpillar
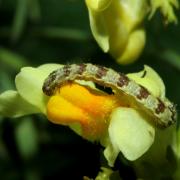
66, 70
162, 111
82, 68
143, 93
123, 80
101, 72
160, 107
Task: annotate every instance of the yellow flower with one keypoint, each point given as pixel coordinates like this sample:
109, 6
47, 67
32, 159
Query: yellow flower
117, 25
89, 108
91, 113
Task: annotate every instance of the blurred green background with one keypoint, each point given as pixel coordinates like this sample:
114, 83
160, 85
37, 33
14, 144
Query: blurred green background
34, 32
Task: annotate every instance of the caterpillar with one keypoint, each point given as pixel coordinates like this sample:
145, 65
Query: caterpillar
162, 110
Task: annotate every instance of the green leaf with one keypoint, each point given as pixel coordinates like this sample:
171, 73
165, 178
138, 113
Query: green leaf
19, 19
34, 10
62, 33
26, 138
12, 59
172, 57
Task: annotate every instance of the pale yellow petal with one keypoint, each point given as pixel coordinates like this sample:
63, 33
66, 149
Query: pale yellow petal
99, 29
48, 68
98, 5
13, 105
130, 133
29, 84
132, 50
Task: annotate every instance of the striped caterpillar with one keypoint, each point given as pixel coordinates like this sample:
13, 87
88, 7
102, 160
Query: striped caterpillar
162, 111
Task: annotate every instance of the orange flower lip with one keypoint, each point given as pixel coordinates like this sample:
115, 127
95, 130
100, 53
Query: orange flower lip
74, 103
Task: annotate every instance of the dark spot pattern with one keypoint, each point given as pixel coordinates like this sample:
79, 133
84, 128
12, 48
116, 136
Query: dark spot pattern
66, 70
143, 93
102, 71
173, 111
82, 68
123, 80
160, 107
53, 76
48, 83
